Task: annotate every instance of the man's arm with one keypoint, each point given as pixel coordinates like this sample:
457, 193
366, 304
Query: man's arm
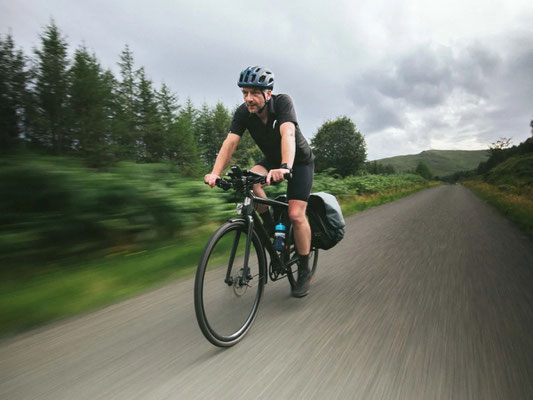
288, 143
288, 151
225, 153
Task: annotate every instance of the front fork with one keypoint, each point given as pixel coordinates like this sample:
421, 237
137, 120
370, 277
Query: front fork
245, 276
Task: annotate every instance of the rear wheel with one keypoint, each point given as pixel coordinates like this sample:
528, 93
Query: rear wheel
226, 298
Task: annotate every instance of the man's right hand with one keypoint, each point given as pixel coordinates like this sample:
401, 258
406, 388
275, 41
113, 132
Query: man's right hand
211, 179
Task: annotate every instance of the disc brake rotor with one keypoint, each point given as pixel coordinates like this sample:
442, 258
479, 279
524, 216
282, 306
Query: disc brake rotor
239, 288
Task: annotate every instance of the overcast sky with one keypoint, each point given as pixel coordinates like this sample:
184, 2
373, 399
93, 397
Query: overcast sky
413, 75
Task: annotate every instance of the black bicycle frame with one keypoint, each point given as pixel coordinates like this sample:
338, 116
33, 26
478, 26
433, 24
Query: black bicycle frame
253, 220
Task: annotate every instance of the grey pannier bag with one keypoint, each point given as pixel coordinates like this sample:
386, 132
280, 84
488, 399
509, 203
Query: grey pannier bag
326, 220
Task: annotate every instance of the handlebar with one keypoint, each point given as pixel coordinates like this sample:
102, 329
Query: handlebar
239, 178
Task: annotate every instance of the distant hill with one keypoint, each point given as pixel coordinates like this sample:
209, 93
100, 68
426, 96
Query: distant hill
440, 162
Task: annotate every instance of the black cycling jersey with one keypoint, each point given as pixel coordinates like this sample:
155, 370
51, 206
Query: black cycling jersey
267, 136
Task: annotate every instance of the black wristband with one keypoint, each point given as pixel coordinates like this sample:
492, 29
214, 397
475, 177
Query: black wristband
286, 166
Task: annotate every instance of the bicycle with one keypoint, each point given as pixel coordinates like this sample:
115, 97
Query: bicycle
233, 269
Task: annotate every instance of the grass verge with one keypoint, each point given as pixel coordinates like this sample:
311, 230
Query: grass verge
514, 202
69, 288
29, 298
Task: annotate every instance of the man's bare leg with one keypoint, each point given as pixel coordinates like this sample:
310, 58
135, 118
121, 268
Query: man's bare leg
258, 188
302, 230
302, 239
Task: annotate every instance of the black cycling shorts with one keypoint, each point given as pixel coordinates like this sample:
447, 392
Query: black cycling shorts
299, 187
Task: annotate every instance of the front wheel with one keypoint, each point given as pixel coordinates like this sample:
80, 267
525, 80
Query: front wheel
226, 293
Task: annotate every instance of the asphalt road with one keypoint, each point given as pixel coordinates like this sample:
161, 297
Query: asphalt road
429, 297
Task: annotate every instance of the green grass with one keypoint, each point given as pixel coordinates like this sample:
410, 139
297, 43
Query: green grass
509, 188
516, 203
69, 288
31, 297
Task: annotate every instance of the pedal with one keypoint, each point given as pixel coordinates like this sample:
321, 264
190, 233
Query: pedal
275, 272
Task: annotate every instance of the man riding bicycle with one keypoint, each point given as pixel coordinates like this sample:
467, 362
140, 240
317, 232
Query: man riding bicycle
271, 120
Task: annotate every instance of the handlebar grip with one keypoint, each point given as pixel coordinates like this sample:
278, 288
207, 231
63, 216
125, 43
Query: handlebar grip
223, 184
287, 177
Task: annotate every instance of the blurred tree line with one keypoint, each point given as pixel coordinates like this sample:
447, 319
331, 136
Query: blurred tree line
56, 105
375, 168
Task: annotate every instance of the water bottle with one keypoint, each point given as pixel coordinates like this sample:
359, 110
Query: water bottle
279, 237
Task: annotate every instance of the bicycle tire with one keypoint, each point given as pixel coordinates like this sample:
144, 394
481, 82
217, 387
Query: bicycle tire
226, 312
290, 253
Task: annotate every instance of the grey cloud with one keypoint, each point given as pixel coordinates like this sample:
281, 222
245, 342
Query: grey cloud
375, 111
426, 76
382, 115
422, 78
511, 91
474, 67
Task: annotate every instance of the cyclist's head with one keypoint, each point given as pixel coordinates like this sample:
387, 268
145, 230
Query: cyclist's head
256, 81
256, 77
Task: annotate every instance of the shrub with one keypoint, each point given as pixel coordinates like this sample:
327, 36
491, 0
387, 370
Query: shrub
56, 207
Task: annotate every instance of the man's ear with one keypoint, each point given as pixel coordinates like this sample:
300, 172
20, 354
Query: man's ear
268, 94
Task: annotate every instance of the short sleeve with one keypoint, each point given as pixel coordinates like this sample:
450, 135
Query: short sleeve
285, 110
240, 120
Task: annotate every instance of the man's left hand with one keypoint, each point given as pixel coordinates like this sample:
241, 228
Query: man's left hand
277, 175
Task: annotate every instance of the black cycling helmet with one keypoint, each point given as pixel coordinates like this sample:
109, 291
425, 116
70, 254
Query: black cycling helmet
257, 77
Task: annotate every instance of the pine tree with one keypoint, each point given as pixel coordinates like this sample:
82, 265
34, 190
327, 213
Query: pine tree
211, 128
221, 121
126, 120
204, 132
184, 147
111, 110
51, 92
13, 92
89, 118
151, 143
168, 106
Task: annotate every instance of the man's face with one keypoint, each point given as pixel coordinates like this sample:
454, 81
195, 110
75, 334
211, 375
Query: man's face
253, 98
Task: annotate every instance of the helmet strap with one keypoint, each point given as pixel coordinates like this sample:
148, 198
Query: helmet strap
266, 102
